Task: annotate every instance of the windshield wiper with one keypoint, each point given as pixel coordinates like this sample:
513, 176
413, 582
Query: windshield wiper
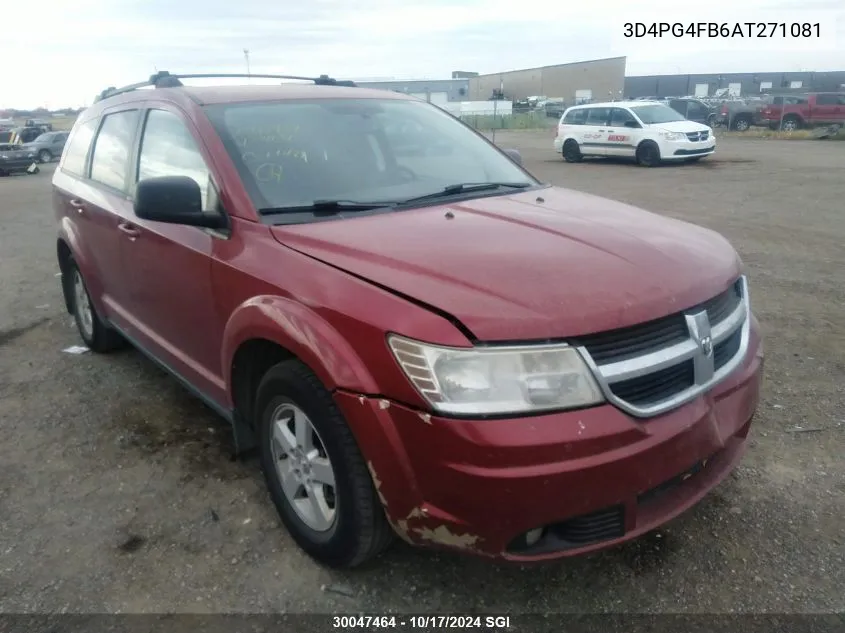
467, 187
330, 206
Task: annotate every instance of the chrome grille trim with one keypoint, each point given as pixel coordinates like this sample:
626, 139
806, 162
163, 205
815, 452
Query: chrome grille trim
706, 376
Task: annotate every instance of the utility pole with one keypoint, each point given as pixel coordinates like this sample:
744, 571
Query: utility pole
501, 95
246, 57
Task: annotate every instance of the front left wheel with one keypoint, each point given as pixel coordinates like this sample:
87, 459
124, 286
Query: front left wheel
44, 156
648, 154
315, 473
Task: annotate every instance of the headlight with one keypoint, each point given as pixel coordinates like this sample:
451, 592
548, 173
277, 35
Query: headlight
672, 136
497, 380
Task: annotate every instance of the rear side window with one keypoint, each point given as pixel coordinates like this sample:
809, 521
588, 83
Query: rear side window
575, 117
110, 161
598, 116
77, 149
621, 117
168, 149
827, 100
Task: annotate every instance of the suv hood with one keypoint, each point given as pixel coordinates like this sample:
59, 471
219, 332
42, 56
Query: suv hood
544, 264
680, 126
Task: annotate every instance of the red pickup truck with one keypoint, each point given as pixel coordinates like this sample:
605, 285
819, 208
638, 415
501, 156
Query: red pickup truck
820, 108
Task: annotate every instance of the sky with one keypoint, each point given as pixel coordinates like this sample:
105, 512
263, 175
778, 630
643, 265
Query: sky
77, 48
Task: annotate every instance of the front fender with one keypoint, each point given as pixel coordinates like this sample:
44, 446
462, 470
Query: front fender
302, 332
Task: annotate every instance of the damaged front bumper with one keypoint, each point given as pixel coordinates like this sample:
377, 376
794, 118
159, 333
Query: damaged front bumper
587, 479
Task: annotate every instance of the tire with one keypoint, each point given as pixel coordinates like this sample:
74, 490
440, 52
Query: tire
343, 525
791, 123
571, 152
741, 124
648, 154
44, 156
96, 334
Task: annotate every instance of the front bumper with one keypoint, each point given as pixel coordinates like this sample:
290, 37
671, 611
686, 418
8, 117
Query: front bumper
593, 478
679, 150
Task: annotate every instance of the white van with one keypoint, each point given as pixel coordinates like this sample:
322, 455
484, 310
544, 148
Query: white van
649, 131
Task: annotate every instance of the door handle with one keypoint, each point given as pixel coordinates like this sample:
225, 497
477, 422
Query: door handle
78, 205
132, 231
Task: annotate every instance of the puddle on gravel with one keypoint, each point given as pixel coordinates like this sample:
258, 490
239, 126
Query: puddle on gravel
180, 427
7, 336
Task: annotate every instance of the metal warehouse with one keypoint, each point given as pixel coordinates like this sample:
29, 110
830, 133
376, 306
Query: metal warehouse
438, 91
705, 85
598, 80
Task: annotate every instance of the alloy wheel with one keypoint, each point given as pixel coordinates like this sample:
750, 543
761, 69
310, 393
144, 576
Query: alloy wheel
303, 467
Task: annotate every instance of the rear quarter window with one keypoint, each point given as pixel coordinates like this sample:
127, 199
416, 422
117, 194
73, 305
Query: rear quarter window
76, 150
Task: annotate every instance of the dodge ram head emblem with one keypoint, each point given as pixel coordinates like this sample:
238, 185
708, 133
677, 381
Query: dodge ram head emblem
706, 345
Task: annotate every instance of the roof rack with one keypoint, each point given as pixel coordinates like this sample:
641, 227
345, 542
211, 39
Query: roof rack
164, 79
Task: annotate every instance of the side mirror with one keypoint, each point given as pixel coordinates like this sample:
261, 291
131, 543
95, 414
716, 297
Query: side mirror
515, 156
175, 200
633, 124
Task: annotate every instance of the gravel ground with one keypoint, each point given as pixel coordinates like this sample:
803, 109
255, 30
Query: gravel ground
117, 492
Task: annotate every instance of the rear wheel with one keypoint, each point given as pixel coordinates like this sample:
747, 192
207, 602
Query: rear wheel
315, 473
94, 332
45, 156
741, 123
571, 152
791, 123
648, 154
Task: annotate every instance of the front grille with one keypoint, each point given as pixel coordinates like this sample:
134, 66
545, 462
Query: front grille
727, 349
614, 346
658, 386
698, 136
650, 368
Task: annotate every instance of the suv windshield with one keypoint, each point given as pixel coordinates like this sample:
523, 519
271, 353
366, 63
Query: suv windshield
293, 153
650, 114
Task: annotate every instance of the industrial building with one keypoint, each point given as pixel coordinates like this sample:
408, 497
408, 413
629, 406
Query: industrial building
705, 85
598, 80
437, 91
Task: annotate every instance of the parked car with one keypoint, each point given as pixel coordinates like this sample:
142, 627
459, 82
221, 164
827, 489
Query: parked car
554, 107
20, 135
39, 123
15, 158
814, 109
48, 145
650, 132
694, 110
742, 114
436, 344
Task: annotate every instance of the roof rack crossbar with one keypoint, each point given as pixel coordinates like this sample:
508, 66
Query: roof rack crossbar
164, 79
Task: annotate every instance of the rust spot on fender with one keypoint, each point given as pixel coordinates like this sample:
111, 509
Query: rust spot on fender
377, 484
383, 404
425, 417
361, 399
442, 535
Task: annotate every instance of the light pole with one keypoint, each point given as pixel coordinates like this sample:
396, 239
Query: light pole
246, 57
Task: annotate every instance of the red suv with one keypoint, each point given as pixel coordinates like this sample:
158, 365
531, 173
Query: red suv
417, 335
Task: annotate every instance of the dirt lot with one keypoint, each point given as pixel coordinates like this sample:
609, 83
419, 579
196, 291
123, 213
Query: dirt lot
117, 492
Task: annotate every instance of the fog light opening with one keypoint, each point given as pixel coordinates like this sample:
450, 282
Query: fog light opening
532, 537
